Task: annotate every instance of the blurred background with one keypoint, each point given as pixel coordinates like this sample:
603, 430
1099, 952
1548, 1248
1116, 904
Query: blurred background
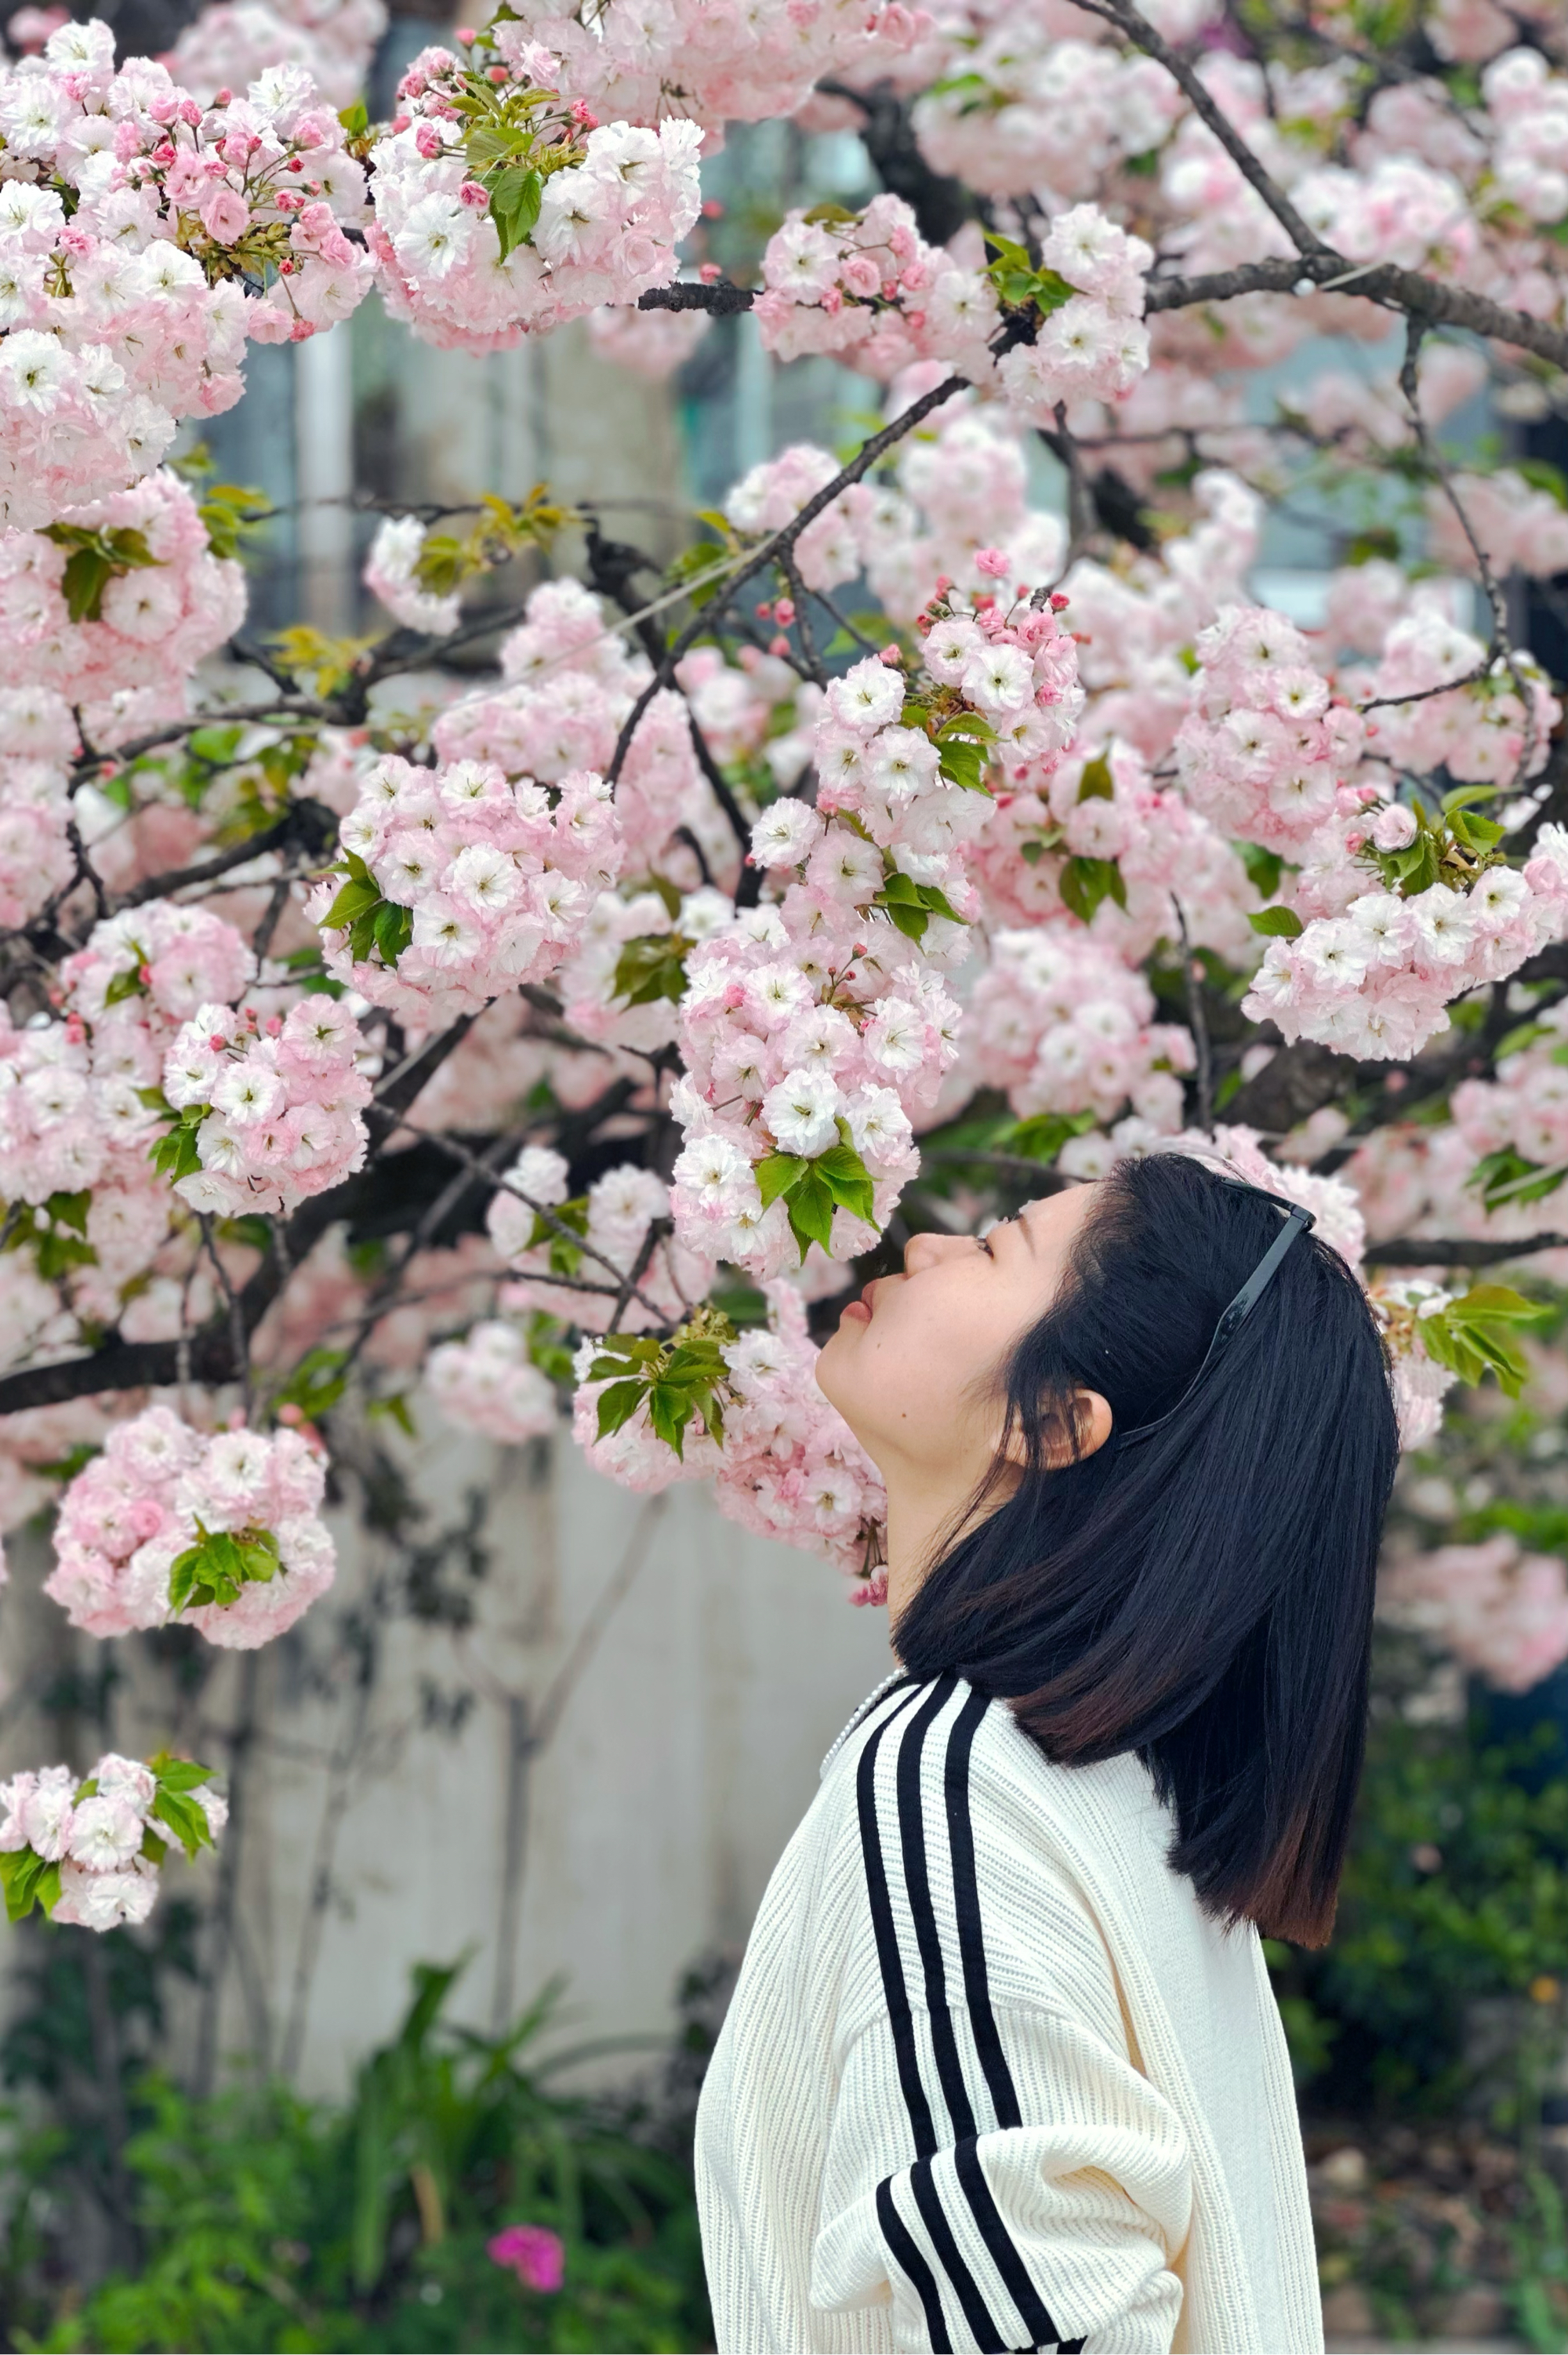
502, 1809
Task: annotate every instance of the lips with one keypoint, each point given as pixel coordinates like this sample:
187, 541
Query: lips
859, 1312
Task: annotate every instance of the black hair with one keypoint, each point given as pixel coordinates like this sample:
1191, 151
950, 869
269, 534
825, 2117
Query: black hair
1204, 1597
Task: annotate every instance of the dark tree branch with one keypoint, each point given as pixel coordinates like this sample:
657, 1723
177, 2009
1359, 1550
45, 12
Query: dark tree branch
720, 298
1396, 290
702, 621
1138, 29
1460, 1251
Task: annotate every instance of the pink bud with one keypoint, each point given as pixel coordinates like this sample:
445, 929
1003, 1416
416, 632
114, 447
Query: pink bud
779, 645
784, 611
709, 271
466, 34
891, 656
992, 561
712, 208
1059, 603
472, 195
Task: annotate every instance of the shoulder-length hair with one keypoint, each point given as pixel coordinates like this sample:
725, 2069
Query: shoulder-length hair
1204, 1597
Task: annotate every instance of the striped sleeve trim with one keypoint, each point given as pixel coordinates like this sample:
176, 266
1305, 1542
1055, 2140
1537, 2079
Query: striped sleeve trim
956, 1736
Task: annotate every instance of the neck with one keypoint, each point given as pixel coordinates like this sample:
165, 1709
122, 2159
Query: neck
922, 1521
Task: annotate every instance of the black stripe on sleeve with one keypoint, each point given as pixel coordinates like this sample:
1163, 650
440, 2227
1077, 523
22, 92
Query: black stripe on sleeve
1003, 2250
965, 1903
908, 2258
892, 1987
918, 1884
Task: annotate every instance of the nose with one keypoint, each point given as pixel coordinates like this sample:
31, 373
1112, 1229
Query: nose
928, 1250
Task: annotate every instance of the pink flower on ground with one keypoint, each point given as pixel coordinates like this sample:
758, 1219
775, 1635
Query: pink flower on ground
533, 2254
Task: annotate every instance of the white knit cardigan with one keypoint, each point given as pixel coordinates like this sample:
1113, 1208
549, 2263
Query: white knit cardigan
991, 2078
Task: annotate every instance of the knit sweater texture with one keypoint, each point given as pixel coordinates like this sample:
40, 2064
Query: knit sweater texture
991, 2078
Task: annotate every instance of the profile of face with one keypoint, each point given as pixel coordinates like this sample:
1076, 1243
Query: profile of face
916, 1367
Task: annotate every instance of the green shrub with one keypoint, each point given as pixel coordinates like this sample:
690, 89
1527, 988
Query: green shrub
268, 2222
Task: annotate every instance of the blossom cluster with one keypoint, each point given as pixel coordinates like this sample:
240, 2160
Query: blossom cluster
715, 61
867, 288
88, 1852
792, 1468
475, 252
1063, 1026
1376, 979
231, 43
1500, 1611
568, 685
131, 222
1029, 110
219, 1532
1266, 751
269, 1109
786, 1466
117, 601
487, 1383
600, 1237
460, 883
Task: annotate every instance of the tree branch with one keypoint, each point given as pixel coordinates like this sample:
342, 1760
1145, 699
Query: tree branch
1396, 290
1138, 29
864, 458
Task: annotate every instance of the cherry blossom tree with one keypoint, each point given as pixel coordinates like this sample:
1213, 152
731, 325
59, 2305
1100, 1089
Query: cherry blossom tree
923, 837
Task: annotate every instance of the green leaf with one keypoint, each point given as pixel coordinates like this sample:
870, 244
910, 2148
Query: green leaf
1508, 1177
1279, 923
393, 928
618, 1404
1264, 869
124, 985
185, 1819
1086, 883
777, 1173
96, 558
393, 1408
963, 763
652, 966
69, 1210
20, 1870
1095, 782
811, 1208
848, 1180
515, 196
1042, 1136
355, 899
669, 1409
354, 119
316, 1383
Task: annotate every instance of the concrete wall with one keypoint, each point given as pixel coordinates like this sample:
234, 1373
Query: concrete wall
694, 1711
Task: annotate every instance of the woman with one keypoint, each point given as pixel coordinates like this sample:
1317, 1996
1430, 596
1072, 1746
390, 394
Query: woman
1003, 2068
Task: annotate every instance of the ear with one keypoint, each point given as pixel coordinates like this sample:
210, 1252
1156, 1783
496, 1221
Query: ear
1067, 1435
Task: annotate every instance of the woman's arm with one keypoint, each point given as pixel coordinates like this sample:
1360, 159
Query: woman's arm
1061, 2227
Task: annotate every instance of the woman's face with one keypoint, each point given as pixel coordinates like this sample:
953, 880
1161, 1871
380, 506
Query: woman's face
914, 1366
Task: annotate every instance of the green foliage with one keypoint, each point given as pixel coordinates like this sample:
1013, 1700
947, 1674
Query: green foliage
1452, 847
812, 1188
379, 929
54, 1231
268, 2222
1085, 882
1456, 1891
1506, 1176
680, 1380
1020, 284
1279, 923
652, 966
220, 1565
96, 558
503, 528
1472, 1335
910, 906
